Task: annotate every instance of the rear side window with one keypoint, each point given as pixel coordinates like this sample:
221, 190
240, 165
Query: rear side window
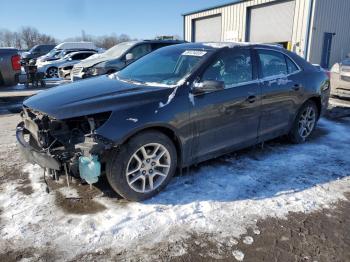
79, 56
272, 63
292, 67
232, 67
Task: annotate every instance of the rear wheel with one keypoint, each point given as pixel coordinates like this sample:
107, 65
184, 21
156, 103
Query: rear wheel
52, 72
304, 123
143, 166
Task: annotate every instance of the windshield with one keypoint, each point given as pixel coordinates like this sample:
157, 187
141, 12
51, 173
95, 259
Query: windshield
33, 48
166, 66
53, 53
118, 50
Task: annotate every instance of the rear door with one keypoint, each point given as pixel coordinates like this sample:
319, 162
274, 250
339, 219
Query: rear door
280, 92
227, 118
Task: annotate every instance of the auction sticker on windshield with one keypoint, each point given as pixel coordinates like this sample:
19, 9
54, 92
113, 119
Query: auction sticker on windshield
194, 53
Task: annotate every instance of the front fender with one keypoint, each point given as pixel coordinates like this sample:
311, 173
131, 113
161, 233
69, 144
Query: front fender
123, 124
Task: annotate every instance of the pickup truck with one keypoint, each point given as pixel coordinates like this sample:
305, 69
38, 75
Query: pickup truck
10, 66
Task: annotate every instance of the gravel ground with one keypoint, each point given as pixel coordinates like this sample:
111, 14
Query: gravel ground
318, 234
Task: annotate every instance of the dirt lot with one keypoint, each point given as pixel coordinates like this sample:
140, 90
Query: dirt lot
277, 203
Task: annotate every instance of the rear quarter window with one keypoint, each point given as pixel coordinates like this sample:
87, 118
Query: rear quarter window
292, 67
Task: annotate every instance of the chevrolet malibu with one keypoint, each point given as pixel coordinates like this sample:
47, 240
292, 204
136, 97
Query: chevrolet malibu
175, 107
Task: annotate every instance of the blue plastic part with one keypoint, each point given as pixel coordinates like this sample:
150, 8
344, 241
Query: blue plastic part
89, 168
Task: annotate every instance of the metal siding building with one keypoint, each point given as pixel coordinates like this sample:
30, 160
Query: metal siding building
302, 25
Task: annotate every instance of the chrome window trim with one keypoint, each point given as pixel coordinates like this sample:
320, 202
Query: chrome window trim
256, 81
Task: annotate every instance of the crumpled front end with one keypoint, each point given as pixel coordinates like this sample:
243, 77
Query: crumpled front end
57, 145
340, 83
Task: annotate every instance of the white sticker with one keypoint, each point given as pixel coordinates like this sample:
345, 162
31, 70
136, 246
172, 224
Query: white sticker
194, 53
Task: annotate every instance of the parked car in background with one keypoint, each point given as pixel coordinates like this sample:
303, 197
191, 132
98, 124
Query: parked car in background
172, 108
50, 68
65, 69
117, 57
35, 52
10, 66
340, 79
64, 48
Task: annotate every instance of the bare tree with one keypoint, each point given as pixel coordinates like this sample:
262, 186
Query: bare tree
30, 36
46, 39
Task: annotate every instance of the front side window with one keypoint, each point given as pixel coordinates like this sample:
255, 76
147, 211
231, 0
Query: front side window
232, 67
165, 66
140, 50
272, 63
117, 50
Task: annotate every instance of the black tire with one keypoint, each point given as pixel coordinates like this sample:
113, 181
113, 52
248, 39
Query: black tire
294, 134
2, 82
117, 164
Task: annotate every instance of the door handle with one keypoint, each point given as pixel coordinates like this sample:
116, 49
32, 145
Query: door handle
296, 87
251, 99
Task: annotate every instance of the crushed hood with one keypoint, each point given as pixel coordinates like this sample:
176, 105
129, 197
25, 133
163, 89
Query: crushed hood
91, 96
93, 61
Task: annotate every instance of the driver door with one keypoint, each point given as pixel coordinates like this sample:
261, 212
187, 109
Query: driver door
227, 119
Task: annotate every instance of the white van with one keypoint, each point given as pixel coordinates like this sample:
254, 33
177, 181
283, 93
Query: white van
76, 45
63, 49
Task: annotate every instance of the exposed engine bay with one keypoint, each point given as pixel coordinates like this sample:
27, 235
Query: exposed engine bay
63, 142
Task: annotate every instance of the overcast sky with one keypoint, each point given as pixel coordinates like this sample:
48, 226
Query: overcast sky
67, 18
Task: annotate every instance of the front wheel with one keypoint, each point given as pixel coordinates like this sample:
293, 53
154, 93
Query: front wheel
52, 72
305, 123
143, 166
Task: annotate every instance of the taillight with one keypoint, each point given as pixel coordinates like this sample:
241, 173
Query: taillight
16, 62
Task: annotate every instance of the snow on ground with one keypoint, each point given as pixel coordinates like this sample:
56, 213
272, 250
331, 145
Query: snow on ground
223, 198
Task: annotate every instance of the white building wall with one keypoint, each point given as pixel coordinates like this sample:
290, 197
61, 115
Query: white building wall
234, 22
331, 16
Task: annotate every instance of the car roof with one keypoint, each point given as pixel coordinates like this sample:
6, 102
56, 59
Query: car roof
221, 45
158, 41
81, 52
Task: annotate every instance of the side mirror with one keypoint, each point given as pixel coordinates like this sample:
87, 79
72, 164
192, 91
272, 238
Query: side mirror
129, 56
208, 86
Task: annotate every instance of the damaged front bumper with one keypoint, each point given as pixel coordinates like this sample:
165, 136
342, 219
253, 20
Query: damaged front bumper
340, 86
33, 155
61, 145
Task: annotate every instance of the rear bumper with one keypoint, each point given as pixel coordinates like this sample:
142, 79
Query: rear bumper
33, 155
10, 78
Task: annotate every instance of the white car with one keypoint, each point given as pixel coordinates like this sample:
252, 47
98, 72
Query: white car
340, 80
64, 48
50, 68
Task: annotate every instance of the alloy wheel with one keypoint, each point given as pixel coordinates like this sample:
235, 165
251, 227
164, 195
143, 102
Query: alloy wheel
307, 122
52, 72
148, 167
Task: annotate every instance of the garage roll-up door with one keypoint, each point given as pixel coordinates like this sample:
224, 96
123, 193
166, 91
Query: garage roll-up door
272, 23
207, 29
